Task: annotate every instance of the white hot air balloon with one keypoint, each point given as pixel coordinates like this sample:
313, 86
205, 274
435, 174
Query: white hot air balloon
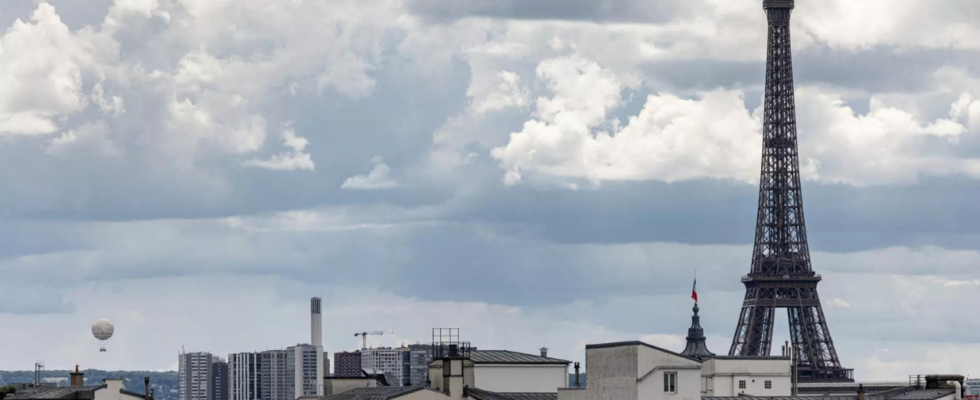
102, 330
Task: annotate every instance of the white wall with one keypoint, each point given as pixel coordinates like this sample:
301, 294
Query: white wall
514, 378
636, 372
653, 364
573, 394
722, 376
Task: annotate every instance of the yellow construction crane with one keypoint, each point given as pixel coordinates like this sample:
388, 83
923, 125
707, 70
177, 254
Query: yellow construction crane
364, 336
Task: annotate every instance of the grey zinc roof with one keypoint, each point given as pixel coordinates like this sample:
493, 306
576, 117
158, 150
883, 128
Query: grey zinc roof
894, 394
636, 343
63, 392
511, 357
377, 393
928, 394
480, 394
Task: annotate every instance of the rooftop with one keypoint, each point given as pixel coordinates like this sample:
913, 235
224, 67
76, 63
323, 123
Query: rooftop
480, 394
894, 394
511, 357
636, 343
377, 393
63, 392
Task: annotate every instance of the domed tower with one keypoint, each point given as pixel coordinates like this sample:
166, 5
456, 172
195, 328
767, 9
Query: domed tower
696, 346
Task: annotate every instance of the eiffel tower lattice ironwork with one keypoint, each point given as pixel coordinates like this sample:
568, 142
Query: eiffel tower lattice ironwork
781, 275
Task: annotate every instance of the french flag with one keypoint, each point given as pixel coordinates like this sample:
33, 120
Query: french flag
694, 290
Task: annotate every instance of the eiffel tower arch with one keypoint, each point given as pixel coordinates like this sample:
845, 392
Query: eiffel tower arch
781, 275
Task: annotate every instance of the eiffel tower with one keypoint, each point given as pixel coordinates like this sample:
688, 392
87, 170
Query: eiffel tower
781, 275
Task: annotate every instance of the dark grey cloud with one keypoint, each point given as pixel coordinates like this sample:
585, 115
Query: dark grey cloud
879, 69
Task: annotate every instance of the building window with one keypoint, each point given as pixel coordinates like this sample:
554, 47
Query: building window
741, 384
670, 382
768, 384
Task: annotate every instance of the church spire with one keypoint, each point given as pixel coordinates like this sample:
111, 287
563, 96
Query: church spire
696, 347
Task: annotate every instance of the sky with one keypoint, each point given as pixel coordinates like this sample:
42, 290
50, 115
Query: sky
546, 173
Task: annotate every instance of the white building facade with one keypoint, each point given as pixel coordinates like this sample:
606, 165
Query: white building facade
305, 370
504, 371
384, 360
746, 376
639, 371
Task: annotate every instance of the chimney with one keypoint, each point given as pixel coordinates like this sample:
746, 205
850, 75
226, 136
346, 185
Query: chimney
146, 387
544, 352
577, 383
77, 378
860, 392
316, 322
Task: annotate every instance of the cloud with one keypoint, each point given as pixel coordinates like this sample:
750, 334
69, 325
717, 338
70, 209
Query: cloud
295, 159
837, 303
86, 140
507, 93
956, 283
31, 299
41, 70
853, 26
379, 178
715, 136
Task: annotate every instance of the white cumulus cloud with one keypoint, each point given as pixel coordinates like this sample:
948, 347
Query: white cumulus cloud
378, 178
41, 68
576, 137
295, 159
837, 302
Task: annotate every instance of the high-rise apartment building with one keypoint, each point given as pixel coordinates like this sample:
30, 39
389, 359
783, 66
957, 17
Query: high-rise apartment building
194, 375
304, 366
385, 360
274, 383
347, 364
243, 376
415, 364
219, 379
281, 374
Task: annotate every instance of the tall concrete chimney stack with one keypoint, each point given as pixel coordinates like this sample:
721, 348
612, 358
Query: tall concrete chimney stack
316, 322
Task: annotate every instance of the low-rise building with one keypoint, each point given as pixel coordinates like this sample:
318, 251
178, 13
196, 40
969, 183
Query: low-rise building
637, 370
110, 389
482, 375
514, 372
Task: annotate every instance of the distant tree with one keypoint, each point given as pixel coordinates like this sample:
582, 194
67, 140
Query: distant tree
8, 389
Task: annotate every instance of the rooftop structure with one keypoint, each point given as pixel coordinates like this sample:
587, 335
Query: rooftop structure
696, 347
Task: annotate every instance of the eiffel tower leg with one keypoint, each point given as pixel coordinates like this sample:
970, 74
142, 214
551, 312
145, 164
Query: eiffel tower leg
753, 336
810, 334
